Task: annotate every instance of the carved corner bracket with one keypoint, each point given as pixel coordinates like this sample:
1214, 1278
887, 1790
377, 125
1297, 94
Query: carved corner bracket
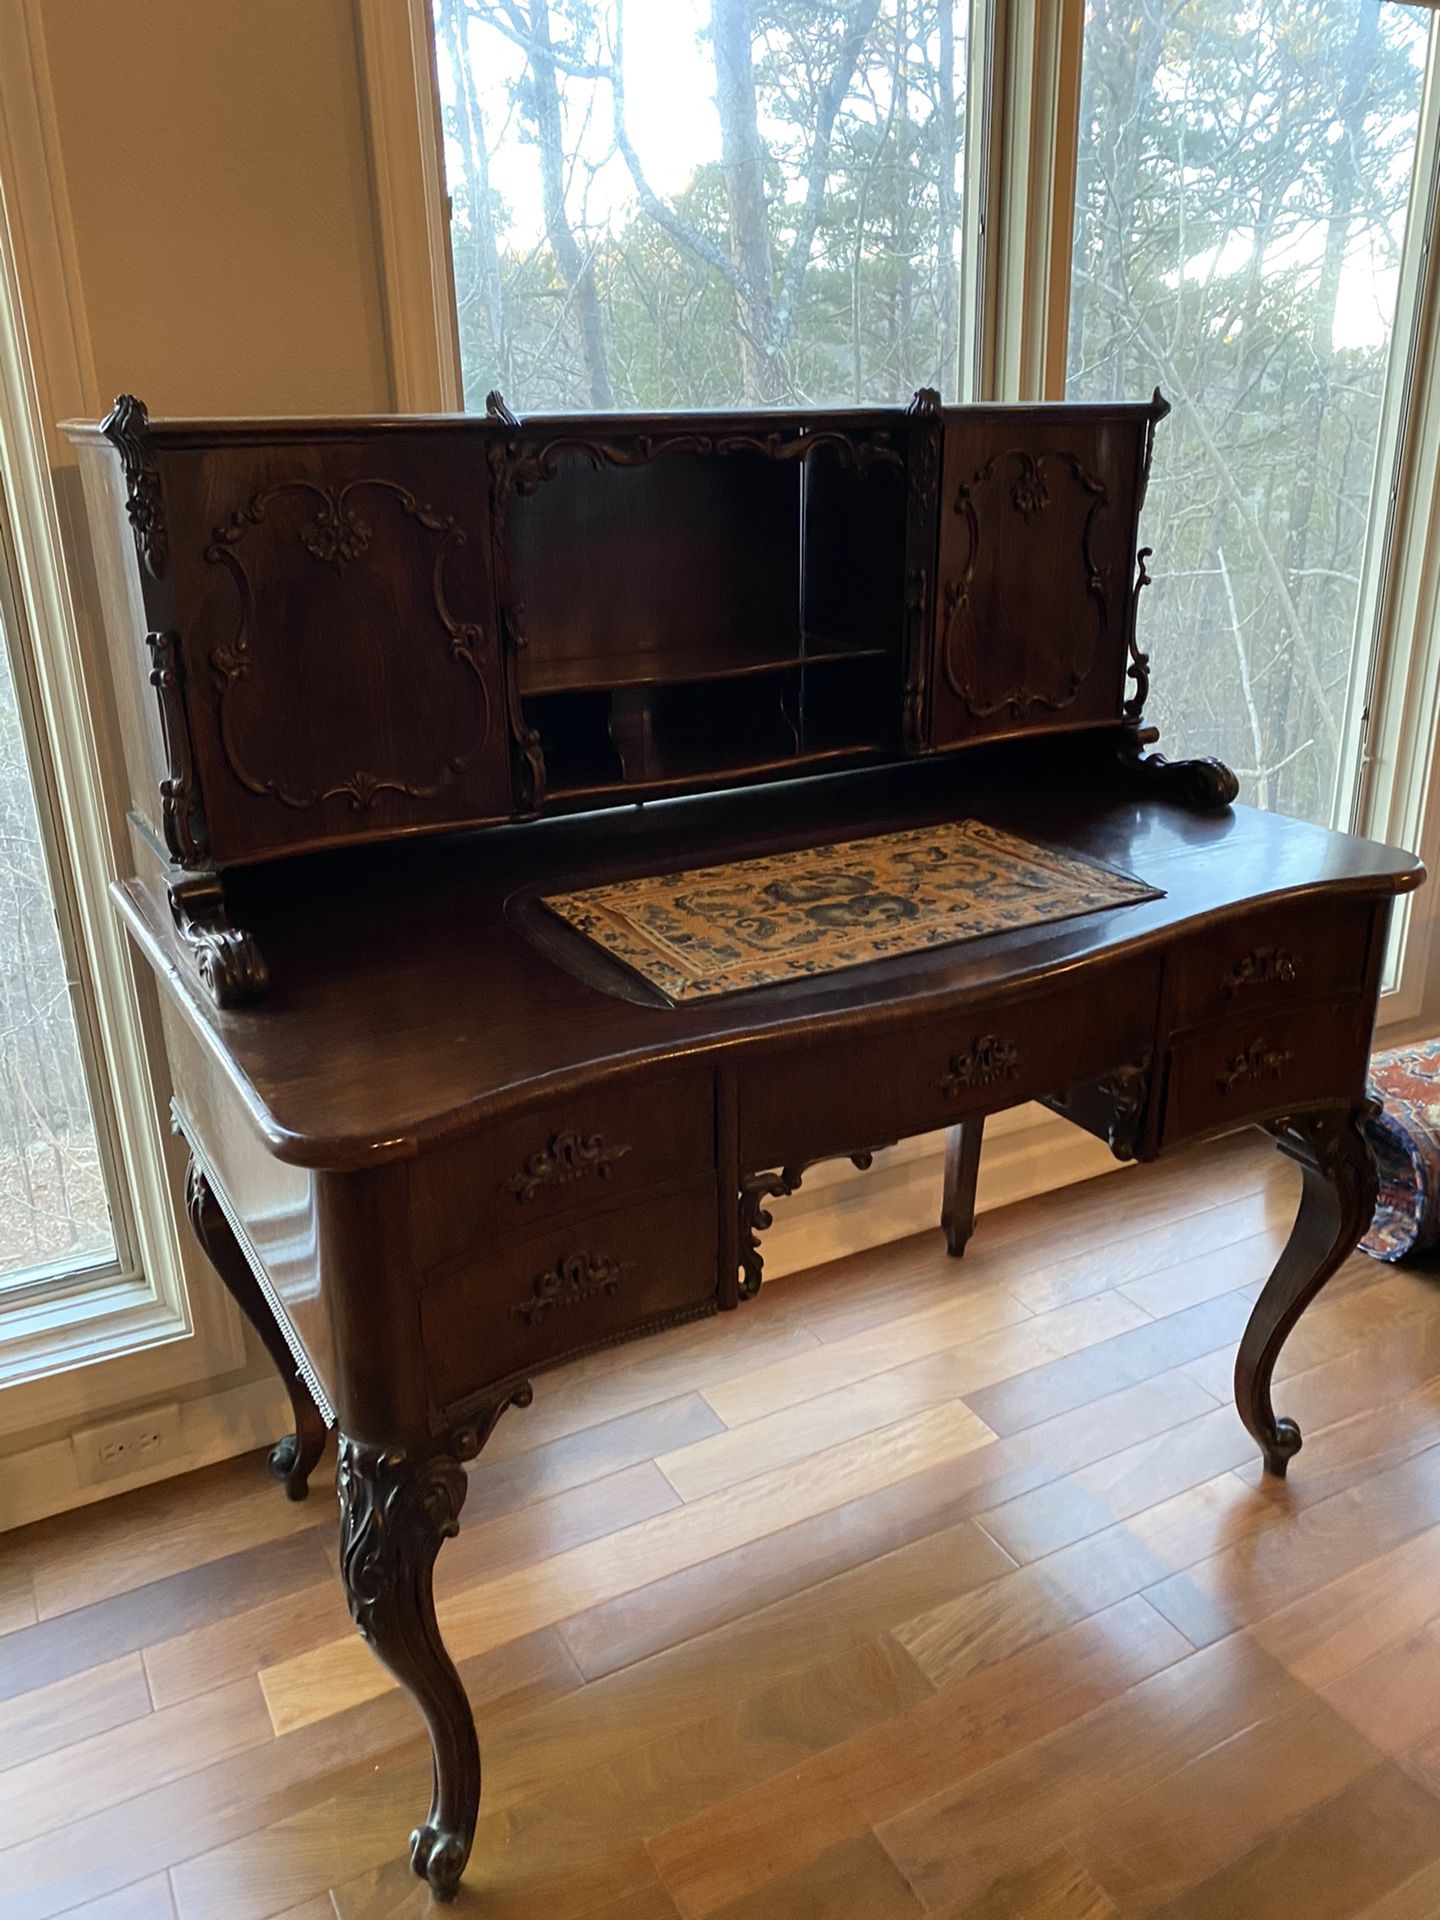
1128, 1092
1206, 785
127, 428
1115, 1109
756, 1217
226, 959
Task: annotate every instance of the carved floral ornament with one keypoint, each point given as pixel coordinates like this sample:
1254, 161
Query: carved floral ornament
523, 469
334, 535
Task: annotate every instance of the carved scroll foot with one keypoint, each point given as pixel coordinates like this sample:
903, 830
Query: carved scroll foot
226, 959
962, 1169
1337, 1202
1206, 785
396, 1511
293, 1458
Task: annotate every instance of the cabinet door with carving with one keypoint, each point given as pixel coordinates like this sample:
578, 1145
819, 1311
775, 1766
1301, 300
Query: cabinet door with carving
336, 633
1038, 510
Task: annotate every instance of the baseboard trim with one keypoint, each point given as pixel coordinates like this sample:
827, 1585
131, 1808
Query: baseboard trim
39, 1481
839, 1210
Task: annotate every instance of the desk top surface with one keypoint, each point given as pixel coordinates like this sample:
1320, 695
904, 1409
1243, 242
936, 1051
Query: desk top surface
419, 989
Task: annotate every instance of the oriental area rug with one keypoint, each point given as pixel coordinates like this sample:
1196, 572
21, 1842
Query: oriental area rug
788, 916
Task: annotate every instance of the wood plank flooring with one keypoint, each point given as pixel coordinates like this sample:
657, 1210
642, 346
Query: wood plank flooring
917, 1587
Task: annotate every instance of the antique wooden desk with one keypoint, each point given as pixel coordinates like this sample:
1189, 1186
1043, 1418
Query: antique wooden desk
439, 1142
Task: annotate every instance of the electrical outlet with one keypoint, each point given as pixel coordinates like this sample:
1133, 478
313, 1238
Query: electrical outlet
116, 1449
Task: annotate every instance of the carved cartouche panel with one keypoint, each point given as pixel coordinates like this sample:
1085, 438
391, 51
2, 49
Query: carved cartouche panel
1041, 509
323, 546
1036, 560
339, 639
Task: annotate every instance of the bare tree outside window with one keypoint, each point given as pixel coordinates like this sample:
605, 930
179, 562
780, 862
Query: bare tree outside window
704, 203
53, 1211
1244, 172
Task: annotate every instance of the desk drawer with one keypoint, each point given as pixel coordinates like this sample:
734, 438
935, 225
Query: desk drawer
1256, 1068
1270, 959
502, 1185
848, 1094
573, 1287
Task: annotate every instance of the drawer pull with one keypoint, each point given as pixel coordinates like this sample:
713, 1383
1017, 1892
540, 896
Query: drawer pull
569, 1156
574, 1279
1257, 1062
988, 1060
1262, 967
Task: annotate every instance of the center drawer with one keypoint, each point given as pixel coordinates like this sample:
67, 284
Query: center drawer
849, 1094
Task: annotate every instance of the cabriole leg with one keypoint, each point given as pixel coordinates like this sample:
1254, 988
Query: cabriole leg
396, 1510
394, 1514
1337, 1202
292, 1458
962, 1169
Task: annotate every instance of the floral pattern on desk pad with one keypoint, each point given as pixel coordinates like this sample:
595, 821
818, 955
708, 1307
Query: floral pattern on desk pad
787, 916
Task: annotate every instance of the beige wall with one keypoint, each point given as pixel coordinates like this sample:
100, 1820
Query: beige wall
215, 162
189, 189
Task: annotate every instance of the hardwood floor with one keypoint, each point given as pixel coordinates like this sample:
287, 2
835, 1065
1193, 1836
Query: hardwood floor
915, 1587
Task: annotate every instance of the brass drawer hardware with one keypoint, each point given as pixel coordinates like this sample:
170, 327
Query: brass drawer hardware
574, 1279
1262, 967
569, 1156
1257, 1062
987, 1061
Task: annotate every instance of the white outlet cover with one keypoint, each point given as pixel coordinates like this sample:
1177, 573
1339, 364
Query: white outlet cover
121, 1448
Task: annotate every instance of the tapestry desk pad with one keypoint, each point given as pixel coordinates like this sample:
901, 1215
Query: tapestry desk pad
786, 916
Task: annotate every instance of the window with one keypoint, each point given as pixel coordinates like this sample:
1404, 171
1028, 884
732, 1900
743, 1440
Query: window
1244, 181
54, 1210
704, 203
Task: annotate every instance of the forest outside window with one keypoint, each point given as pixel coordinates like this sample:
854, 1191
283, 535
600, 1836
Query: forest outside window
55, 1218
704, 203
1245, 182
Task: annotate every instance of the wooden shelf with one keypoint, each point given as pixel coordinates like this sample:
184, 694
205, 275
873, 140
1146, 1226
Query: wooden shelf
795, 765
679, 668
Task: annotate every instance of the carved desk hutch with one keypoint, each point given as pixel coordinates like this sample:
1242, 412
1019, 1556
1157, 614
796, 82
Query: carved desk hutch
389, 684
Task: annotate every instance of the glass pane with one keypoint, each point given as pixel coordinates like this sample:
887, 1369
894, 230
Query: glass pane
704, 203
1243, 180
53, 1211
